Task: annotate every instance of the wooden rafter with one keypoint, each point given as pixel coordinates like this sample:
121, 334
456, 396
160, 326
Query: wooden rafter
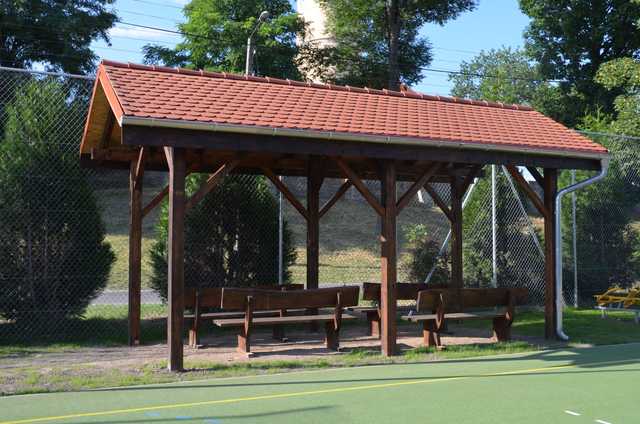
469, 178
286, 192
346, 185
529, 191
139, 168
536, 174
359, 185
416, 186
211, 183
438, 201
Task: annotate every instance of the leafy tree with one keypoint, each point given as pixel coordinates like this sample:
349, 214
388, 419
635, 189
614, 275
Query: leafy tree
53, 256
423, 255
607, 242
570, 39
623, 74
216, 35
57, 33
377, 43
231, 237
506, 75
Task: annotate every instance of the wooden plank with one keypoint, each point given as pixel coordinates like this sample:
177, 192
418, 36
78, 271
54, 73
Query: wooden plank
550, 191
529, 191
210, 140
359, 185
286, 192
108, 128
416, 186
135, 248
456, 299
314, 183
139, 166
404, 291
211, 183
177, 175
455, 315
456, 232
346, 185
234, 298
438, 201
295, 319
389, 262
536, 175
157, 199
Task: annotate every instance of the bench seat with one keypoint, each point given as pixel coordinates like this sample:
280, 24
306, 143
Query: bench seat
239, 314
456, 315
295, 319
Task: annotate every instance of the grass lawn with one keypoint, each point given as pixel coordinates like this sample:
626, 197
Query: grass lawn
583, 326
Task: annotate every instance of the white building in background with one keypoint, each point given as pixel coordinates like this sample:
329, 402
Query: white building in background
316, 33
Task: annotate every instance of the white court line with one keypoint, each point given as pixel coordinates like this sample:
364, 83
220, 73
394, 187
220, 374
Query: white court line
603, 422
575, 414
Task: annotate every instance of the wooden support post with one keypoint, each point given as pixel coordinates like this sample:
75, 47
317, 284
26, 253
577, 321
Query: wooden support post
456, 232
177, 174
389, 261
135, 247
550, 191
314, 183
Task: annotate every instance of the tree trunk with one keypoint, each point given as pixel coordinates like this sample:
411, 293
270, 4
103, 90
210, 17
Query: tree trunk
393, 20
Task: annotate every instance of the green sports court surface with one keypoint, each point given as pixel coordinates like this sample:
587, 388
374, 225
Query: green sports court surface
591, 385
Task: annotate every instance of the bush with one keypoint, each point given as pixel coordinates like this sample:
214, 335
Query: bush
423, 254
231, 237
53, 257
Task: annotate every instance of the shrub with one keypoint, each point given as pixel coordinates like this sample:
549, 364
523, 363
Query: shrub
53, 257
231, 237
423, 254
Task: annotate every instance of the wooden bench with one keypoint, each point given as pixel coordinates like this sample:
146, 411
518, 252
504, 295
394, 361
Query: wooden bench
255, 301
371, 293
437, 305
198, 299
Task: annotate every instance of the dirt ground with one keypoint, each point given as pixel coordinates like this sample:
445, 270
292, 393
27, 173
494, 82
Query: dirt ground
221, 348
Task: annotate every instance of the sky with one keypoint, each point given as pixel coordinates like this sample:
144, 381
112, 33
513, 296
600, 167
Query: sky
495, 23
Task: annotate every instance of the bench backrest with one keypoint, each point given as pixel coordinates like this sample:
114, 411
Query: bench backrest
265, 300
463, 299
404, 291
211, 297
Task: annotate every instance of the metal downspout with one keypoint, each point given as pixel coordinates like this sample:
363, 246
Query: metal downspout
604, 167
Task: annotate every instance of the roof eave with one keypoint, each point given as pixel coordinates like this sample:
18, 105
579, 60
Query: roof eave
353, 137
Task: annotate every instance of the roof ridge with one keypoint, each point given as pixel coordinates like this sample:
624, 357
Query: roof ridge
326, 86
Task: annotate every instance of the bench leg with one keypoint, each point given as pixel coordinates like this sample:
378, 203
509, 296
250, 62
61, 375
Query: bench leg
244, 341
501, 329
373, 318
430, 335
194, 340
332, 339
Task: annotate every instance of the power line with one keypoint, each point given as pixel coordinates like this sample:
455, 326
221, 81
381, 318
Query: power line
162, 18
158, 4
476, 75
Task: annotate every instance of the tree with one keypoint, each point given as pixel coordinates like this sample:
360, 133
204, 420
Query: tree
607, 242
377, 43
57, 33
506, 75
423, 256
623, 74
53, 256
570, 39
231, 237
215, 37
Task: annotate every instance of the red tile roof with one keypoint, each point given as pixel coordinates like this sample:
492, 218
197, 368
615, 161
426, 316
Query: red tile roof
182, 95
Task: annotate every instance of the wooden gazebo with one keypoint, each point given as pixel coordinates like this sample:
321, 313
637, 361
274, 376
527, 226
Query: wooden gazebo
185, 121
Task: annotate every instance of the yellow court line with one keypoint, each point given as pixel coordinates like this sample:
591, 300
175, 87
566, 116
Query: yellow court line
305, 393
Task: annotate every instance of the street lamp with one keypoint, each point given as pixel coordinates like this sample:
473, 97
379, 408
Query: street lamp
248, 68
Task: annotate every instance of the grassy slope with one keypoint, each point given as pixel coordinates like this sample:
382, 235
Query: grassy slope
349, 248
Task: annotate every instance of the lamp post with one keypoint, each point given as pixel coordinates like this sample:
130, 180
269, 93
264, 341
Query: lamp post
248, 69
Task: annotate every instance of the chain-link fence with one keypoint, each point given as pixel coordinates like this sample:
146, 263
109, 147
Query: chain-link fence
64, 230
